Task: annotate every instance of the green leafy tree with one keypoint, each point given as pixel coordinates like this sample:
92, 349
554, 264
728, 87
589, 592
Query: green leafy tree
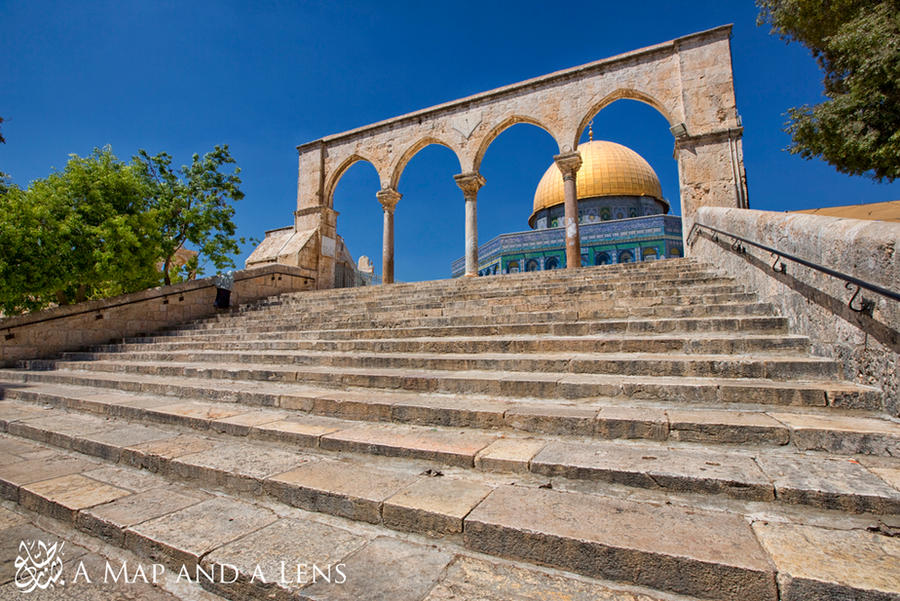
82, 232
857, 45
193, 205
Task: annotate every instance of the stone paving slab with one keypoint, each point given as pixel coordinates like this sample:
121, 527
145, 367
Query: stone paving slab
183, 537
817, 564
16, 475
304, 431
838, 483
656, 467
632, 422
470, 578
339, 488
268, 559
110, 520
58, 430
699, 553
108, 443
11, 411
381, 570
509, 454
553, 419
434, 506
129, 479
236, 466
154, 455
734, 427
242, 423
842, 434
451, 447
63, 497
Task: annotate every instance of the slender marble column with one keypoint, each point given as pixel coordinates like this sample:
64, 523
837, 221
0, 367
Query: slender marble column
568, 164
470, 183
388, 199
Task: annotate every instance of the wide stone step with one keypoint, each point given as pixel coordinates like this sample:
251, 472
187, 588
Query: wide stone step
765, 366
511, 281
706, 391
536, 295
675, 547
565, 325
705, 343
176, 526
758, 475
502, 288
599, 308
828, 429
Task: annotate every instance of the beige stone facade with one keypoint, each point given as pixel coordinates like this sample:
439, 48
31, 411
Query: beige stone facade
688, 80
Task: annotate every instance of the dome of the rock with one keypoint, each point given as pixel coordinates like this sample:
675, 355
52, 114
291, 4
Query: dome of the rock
608, 170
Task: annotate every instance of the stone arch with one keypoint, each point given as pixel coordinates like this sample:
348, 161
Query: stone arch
688, 80
413, 150
338, 173
499, 128
620, 94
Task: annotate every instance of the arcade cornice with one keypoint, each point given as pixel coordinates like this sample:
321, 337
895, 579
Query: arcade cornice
557, 77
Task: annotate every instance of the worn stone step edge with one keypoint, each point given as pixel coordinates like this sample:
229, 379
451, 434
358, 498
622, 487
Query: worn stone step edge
640, 320
515, 306
535, 525
364, 554
703, 344
365, 328
676, 470
536, 296
610, 419
784, 367
527, 385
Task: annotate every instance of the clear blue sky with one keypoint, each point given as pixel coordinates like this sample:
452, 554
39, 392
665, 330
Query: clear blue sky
266, 76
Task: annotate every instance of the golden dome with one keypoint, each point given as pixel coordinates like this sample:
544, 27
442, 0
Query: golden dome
607, 169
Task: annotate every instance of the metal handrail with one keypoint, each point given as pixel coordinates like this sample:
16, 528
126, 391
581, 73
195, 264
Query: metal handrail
867, 306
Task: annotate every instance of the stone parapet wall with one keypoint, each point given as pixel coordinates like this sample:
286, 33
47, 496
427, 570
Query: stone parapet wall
815, 303
45, 333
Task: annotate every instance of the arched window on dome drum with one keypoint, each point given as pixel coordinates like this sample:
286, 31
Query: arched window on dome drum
551, 263
601, 259
626, 257
531, 265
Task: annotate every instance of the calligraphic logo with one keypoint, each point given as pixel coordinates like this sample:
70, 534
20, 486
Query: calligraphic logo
39, 565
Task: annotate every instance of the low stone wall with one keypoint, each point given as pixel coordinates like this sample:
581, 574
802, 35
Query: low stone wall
817, 304
46, 333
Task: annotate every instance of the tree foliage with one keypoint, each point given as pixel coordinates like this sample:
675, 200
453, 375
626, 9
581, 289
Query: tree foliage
857, 45
102, 227
192, 204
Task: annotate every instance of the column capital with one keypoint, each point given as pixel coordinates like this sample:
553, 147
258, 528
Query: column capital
469, 183
569, 163
388, 197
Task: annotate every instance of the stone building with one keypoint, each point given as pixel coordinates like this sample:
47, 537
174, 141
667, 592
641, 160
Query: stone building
622, 217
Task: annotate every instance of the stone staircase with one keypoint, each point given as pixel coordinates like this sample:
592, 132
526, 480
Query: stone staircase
641, 431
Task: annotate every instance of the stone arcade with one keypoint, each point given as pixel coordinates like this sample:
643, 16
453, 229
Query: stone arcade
688, 80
